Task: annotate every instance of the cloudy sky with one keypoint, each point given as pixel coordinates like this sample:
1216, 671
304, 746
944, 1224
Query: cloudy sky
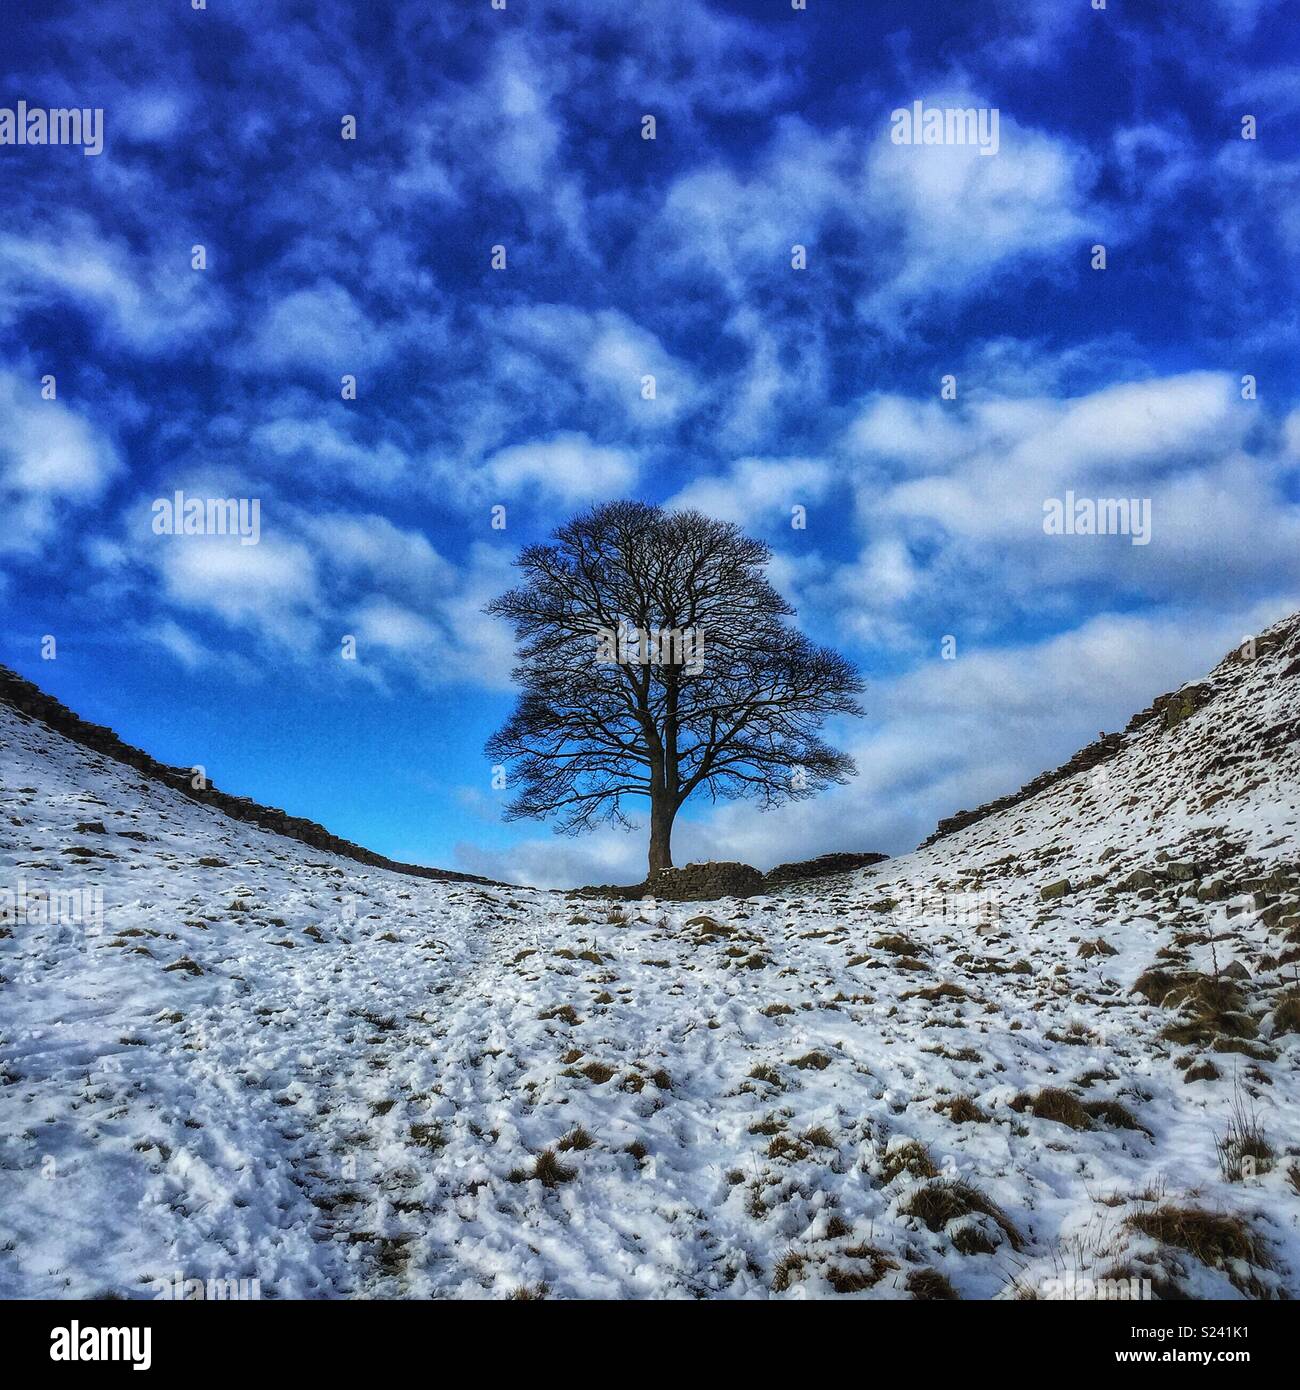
775, 387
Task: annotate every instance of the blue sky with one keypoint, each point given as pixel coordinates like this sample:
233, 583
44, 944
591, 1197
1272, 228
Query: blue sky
626, 257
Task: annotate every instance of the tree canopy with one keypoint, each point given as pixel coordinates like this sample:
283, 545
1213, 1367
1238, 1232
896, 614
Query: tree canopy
655, 662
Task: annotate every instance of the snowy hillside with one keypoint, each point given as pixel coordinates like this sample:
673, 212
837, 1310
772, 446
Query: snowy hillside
228, 1055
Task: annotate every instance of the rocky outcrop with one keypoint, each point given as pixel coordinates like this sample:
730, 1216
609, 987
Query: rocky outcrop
1170, 710
821, 867
33, 703
705, 882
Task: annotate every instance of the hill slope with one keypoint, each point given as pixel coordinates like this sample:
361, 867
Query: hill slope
264, 1061
28, 699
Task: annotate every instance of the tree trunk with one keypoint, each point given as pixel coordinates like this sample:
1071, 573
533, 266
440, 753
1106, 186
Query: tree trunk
661, 833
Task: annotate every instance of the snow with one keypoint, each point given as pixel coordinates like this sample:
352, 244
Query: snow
344, 1087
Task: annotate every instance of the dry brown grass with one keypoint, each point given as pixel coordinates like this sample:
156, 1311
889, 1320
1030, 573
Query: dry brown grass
934, 993
971, 1240
930, 1285
1214, 1238
948, 1199
428, 1136
879, 1263
897, 945
1052, 1103
962, 1110
1112, 1113
547, 1169
789, 1270
576, 1140
1286, 1013
1210, 1006
1243, 1150
910, 1157
820, 1138
782, 1146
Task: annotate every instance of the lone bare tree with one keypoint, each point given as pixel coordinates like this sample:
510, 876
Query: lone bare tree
654, 662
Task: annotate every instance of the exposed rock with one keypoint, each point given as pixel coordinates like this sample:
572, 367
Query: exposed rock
1055, 890
704, 882
1183, 873
1141, 878
1173, 708
820, 867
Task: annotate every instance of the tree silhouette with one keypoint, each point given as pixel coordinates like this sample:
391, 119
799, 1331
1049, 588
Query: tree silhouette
654, 662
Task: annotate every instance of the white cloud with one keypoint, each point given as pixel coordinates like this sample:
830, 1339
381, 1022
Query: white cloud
387, 624
312, 579
959, 214
150, 301
371, 545
757, 491
1291, 433
181, 644
321, 328
325, 444
934, 219
742, 224
51, 460
922, 433
605, 354
569, 467
271, 588
991, 467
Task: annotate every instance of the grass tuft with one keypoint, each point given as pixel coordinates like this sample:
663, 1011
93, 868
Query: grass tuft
577, 1140
910, 1157
949, 1199
1216, 1239
930, 1285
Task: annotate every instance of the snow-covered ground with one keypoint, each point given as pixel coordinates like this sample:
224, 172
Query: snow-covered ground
229, 1056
